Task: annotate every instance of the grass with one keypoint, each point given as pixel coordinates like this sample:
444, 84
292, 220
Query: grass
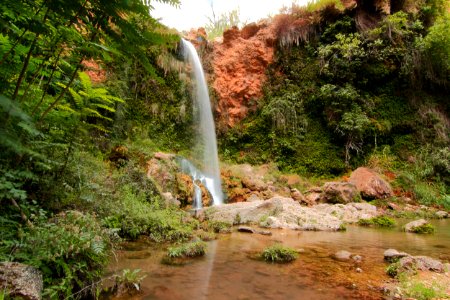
380, 221
193, 249
421, 291
279, 254
316, 5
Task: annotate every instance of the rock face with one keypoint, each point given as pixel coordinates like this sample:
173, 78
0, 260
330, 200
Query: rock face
21, 281
239, 63
281, 212
370, 184
339, 192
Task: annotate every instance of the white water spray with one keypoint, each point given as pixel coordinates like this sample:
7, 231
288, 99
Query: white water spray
207, 134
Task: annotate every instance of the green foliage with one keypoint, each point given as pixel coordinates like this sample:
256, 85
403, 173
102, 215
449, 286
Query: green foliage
220, 226
129, 280
217, 25
316, 5
393, 269
380, 221
416, 289
279, 254
193, 249
424, 229
71, 250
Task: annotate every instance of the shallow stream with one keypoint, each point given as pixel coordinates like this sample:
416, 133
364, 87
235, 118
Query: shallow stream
230, 271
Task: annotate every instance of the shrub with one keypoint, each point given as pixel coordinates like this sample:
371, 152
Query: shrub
279, 254
128, 283
220, 226
193, 249
71, 251
393, 269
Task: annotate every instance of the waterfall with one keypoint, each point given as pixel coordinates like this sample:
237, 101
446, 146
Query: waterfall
206, 139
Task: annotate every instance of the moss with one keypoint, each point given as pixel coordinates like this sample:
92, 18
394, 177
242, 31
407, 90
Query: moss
279, 254
424, 229
380, 221
342, 227
393, 269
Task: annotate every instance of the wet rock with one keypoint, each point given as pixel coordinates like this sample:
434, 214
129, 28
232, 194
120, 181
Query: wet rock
246, 229
22, 281
264, 232
422, 263
441, 214
392, 255
359, 270
339, 192
342, 255
412, 226
370, 184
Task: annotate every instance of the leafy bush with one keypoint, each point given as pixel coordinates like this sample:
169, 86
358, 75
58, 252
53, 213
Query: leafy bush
71, 250
220, 226
279, 254
193, 249
128, 283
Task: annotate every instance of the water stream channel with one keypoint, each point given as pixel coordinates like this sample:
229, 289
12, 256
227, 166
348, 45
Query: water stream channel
230, 270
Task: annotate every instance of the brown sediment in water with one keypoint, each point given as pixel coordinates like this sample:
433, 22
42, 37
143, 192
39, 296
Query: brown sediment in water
230, 271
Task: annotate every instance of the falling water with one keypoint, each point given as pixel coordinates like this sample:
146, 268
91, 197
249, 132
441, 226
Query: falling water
207, 134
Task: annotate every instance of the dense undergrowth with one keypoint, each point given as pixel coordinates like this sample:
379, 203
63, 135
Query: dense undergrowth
346, 91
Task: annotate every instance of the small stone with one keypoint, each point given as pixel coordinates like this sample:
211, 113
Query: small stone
253, 198
357, 258
359, 270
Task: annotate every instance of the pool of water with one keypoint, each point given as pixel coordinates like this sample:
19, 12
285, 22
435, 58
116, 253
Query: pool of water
229, 270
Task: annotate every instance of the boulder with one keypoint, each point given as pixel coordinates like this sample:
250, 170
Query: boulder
22, 281
370, 184
422, 263
339, 192
282, 212
312, 198
392, 255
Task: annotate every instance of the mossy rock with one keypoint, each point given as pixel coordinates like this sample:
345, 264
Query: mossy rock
279, 254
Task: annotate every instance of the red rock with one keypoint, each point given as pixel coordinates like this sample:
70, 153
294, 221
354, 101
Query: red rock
370, 184
239, 64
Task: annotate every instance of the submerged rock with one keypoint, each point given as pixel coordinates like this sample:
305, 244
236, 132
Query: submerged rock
342, 255
281, 212
370, 184
246, 229
21, 280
